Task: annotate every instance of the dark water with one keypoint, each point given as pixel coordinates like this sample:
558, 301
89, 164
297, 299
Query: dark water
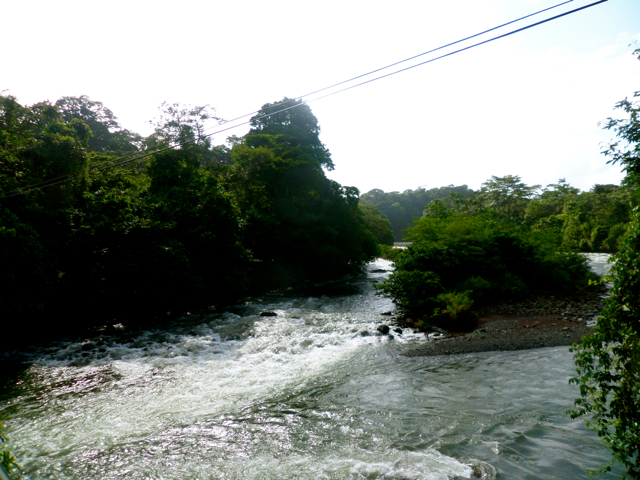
303, 395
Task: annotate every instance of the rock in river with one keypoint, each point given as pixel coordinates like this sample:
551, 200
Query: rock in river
383, 329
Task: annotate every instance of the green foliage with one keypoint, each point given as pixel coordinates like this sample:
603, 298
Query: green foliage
377, 223
477, 288
403, 208
608, 361
293, 126
106, 133
594, 221
195, 226
415, 291
626, 151
298, 224
506, 195
455, 311
390, 253
564, 217
480, 260
7, 460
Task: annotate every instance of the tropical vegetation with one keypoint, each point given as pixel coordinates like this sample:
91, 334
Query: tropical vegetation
460, 261
572, 220
99, 225
608, 362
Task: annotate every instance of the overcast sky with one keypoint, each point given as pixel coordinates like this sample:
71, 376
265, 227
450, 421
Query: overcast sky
526, 105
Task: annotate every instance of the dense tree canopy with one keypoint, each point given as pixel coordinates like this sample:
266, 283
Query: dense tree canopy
106, 133
403, 208
506, 195
378, 223
592, 221
188, 227
299, 224
292, 125
458, 261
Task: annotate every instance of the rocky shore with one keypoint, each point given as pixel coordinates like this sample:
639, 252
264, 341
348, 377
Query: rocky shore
535, 323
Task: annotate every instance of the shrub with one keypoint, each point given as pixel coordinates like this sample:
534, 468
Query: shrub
455, 312
390, 253
415, 291
474, 262
476, 287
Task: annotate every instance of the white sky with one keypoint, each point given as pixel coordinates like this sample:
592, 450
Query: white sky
525, 105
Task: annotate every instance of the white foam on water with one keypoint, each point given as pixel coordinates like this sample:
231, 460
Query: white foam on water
429, 465
133, 389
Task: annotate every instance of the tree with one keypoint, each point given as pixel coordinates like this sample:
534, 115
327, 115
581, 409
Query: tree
293, 125
180, 123
507, 195
608, 361
107, 135
403, 208
378, 223
37, 146
298, 224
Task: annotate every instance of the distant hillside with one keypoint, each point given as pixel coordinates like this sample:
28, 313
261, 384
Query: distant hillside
402, 208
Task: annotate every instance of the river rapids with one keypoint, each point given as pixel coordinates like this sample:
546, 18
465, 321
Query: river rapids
311, 393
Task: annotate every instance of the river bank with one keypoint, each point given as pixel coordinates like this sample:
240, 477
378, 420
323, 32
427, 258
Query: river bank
536, 323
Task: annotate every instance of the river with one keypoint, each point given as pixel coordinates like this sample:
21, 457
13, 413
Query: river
305, 394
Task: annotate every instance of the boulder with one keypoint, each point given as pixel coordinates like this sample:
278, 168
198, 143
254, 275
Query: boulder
383, 329
268, 314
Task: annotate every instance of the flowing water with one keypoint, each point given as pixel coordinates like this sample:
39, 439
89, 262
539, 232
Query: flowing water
311, 393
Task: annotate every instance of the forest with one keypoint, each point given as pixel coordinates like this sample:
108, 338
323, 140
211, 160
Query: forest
592, 221
98, 224
94, 215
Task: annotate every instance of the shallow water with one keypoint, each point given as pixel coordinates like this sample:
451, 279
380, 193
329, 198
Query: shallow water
303, 395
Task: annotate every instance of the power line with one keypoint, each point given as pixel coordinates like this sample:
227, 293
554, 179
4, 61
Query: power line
407, 59
434, 50
460, 50
139, 157
124, 160
117, 161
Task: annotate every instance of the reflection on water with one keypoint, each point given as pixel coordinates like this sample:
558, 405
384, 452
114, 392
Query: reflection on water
311, 393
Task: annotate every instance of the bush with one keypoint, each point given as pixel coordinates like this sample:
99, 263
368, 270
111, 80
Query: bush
455, 313
415, 291
476, 287
458, 262
390, 253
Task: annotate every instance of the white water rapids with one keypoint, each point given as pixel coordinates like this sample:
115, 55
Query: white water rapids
302, 395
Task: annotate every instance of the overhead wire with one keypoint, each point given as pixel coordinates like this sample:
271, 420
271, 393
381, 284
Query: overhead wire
124, 159
117, 162
460, 50
300, 97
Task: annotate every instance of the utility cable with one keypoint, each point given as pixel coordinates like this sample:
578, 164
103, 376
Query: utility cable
405, 60
460, 50
433, 50
53, 181
125, 160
